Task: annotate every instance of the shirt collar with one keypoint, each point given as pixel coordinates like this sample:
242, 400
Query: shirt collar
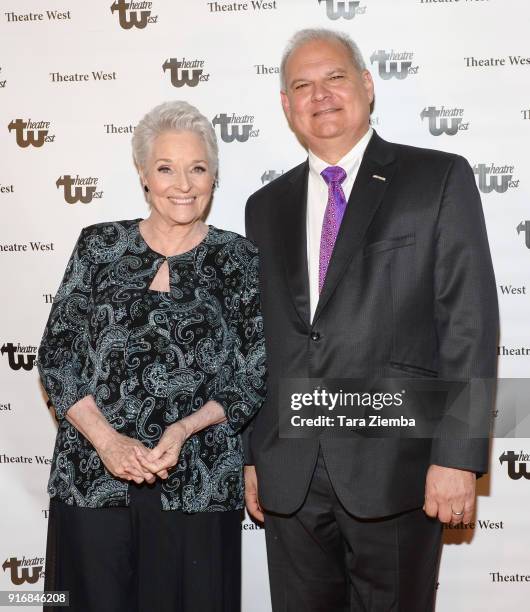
349, 162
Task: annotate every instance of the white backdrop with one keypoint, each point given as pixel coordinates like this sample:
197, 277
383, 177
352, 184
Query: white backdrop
449, 74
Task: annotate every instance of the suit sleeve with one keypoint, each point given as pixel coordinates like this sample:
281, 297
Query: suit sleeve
467, 321
244, 391
63, 358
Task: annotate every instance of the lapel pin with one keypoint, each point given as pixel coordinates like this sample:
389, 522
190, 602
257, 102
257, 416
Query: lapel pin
379, 178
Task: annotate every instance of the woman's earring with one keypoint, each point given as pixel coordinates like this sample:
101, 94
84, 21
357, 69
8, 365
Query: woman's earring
146, 189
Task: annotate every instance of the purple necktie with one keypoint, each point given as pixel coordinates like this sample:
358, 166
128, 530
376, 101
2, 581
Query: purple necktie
334, 176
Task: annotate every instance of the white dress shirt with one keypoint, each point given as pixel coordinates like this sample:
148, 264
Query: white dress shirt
317, 200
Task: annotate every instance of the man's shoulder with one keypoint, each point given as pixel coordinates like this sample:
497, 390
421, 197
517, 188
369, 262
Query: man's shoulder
271, 190
409, 154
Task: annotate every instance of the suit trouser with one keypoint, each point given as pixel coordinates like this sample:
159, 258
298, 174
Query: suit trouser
323, 559
144, 559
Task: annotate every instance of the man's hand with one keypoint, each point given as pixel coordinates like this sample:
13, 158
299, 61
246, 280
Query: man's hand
449, 491
121, 456
251, 493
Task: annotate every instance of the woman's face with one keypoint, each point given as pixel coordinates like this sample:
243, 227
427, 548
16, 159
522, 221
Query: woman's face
179, 178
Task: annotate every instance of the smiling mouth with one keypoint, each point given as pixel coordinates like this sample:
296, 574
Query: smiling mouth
326, 111
182, 201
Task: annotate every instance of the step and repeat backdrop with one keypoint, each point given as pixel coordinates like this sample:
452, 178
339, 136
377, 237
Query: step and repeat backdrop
75, 78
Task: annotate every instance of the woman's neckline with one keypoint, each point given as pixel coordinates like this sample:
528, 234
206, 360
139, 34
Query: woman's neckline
184, 253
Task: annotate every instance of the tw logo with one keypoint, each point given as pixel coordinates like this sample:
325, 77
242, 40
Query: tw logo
133, 14
78, 189
185, 72
347, 9
24, 576
495, 178
524, 226
18, 357
233, 127
269, 176
516, 464
31, 133
444, 121
394, 65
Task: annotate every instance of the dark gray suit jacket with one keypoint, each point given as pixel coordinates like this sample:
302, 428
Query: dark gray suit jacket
410, 291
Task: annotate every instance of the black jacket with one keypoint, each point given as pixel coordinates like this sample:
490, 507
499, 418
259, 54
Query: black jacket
410, 292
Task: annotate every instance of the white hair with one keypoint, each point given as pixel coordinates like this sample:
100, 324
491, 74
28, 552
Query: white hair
178, 116
311, 34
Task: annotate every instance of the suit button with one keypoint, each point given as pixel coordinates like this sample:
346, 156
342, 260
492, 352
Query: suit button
315, 336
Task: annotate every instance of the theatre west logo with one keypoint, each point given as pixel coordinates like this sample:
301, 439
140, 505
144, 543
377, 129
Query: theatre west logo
484, 524
498, 577
495, 62
185, 71
24, 570
495, 178
345, 9
517, 464
394, 64
134, 14
444, 120
13, 17
79, 189
31, 133
112, 128
524, 227
235, 127
270, 175
19, 357
249, 525
254, 5
264, 69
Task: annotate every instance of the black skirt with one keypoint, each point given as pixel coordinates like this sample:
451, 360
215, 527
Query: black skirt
144, 559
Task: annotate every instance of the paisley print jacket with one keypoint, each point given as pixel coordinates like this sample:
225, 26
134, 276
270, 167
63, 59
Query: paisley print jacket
149, 362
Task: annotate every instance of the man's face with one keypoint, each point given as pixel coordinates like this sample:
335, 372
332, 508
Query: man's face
326, 98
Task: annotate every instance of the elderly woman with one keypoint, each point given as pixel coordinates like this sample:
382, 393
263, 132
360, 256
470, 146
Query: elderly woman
153, 357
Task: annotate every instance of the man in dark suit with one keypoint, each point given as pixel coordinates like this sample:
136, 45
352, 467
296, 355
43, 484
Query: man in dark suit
374, 261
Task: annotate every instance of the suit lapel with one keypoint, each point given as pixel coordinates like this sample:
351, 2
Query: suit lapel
365, 198
292, 225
